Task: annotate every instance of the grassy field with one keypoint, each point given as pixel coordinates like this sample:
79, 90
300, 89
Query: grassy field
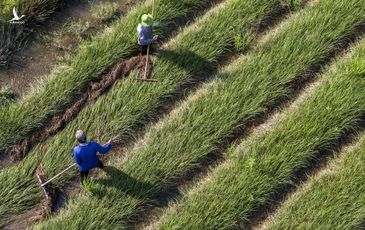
7, 96
337, 196
65, 85
13, 36
198, 128
130, 102
252, 175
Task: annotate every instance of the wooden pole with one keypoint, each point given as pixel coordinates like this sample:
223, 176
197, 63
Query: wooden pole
147, 62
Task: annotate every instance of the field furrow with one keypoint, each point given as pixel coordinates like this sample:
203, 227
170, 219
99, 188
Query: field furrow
66, 85
131, 103
254, 175
13, 36
237, 96
331, 199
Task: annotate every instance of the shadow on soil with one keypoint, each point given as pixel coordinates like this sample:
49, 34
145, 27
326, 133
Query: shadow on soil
124, 182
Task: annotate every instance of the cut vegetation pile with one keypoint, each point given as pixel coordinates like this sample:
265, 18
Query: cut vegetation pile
95, 89
240, 93
23, 192
248, 178
130, 103
65, 86
253, 175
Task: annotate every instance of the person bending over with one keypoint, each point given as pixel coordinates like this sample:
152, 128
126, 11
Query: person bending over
85, 154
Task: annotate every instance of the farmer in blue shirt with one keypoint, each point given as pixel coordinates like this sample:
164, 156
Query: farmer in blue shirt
145, 36
85, 154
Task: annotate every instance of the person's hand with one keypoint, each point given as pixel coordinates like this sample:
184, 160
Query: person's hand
155, 38
110, 142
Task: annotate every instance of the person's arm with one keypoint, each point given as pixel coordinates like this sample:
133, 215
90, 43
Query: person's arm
77, 159
103, 149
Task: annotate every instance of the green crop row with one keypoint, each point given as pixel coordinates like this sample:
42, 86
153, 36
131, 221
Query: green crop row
130, 103
93, 59
13, 36
337, 198
240, 92
188, 50
251, 176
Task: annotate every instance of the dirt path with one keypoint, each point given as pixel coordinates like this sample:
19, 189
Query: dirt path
40, 56
323, 167
58, 121
328, 166
303, 89
152, 217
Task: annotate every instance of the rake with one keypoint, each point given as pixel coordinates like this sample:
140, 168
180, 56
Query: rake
145, 78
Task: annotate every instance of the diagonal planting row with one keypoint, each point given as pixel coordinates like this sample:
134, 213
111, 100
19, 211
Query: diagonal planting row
336, 192
227, 13
337, 197
65, 86
241, 92
130, 103
252, 176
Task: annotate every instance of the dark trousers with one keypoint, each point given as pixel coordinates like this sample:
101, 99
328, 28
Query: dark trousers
85, 174
143, 49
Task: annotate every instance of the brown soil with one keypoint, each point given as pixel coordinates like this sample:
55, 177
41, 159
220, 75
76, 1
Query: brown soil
46, 206
39, 57
94, 90
22, 221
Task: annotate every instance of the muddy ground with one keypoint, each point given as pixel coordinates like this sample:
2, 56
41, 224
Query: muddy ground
39, 57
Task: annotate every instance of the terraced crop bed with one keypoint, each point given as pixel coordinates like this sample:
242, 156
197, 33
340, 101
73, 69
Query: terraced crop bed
191, 153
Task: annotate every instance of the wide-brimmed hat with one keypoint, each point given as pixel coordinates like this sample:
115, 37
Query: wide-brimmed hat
147, 20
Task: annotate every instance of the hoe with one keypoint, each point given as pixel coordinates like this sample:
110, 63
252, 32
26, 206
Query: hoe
46, 185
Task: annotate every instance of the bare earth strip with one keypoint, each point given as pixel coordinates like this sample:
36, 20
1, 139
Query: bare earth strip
39, 57
125, 91
223, 211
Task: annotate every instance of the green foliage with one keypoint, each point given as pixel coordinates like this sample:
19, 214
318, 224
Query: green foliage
129, 103
237, 188
7, 96
293, 4
70, 35
337, 196
104, 11
15, 36
90, 61
93, 59
240, 93
243, 41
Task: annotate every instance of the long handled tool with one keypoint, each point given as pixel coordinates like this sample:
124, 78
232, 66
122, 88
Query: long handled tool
44, 183
146, 68
145, 78
41, 176
47, 182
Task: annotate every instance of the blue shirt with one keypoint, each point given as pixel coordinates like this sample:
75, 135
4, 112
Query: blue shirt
85, 154
145, 36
